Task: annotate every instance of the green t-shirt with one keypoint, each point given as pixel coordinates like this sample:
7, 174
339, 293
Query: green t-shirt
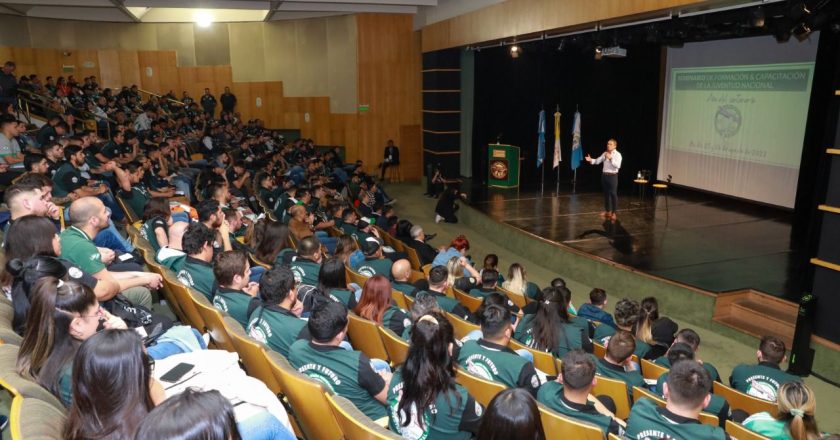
405, 288
762, 380
270, 196
767, 425
276, 327
663, 361
568, 336
481, 292
375, 266
344, 372
305, 270
650, 422
172, 259
149, 228
235, 303
395, 320
631, 378
136, 199
343, 296
717, 405
453, 416
198, 274
551, 395
494, 362
78, 248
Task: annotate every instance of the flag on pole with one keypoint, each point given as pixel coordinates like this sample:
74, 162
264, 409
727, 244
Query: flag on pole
577, 148
541, 140
557, 158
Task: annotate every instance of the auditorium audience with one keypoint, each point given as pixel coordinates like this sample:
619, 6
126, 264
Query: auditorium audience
550, 330
717, 406
376, 305
235, 291
517, 282
594, 309
763, 379
690, 337
275, 319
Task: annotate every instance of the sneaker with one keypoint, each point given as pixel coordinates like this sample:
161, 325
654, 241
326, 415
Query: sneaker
438, 218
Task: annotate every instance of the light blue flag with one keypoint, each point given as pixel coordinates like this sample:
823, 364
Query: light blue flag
541, 140
577, 148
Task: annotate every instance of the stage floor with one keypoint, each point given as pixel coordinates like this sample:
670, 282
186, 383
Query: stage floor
702, 240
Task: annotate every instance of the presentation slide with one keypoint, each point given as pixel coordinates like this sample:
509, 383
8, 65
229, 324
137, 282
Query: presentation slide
737, 128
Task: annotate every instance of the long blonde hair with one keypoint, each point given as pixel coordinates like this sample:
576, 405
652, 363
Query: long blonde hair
517, 281
797, 403
453, 270
648, 313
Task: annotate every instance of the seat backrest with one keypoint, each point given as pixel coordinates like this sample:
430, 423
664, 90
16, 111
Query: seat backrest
617, 389
460, 326
395, 346
470, 302
739, 431
19, 385
651, 370
364, 336
129, 213
308, 399
399, 299
168, 293
517, 298
259, 263
355, 277
742, 401
413, 257
354, 424
415, 276
599, 350
7, 313
409, 301
33, 419
252, 354
481, 389
426, 268
185, 302
557, 426
214, 319
543, 361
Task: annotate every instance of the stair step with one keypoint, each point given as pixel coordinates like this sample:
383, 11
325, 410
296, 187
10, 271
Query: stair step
783, 314
758, 330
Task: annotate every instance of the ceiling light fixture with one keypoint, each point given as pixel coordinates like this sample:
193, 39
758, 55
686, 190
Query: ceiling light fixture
203, 19
514, 51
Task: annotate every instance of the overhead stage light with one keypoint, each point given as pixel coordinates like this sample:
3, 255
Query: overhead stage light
515, 51
203, 19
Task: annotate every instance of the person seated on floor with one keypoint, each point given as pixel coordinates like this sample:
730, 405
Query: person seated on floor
307, 264
374, 263
680, 352
794, 420
686, 393
764, 379
569, 394
550, 330
376, 305
348, 373
400, 273
690, 337
235, 291
88, 216
423, 395
617, 363
594, 309
197, 269
489, 281
275, 321
662, 332
438, 284
490, 358
157, 218
173, 256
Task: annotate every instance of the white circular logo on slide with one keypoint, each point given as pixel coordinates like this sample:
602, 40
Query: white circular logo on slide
727, 120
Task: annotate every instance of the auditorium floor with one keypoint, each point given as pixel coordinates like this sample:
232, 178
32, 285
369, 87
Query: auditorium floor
716, 348
713, 243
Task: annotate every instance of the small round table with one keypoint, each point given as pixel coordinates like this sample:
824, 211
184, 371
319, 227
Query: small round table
642, 183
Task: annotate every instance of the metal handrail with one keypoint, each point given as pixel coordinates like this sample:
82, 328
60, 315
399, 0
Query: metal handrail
85, 113
160, 96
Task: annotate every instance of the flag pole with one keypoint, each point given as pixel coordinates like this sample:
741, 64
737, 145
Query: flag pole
557, 178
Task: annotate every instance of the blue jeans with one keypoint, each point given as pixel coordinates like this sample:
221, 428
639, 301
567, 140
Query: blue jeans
257, 273
329, 242
263, 426
182, 184
110, 238
109, 201
379, 365
166, 349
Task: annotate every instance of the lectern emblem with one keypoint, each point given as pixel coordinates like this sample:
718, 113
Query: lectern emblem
499, 169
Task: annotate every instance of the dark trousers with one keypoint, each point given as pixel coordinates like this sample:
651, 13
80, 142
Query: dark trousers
610, 184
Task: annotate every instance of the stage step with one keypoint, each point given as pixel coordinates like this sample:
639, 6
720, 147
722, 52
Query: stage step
757, 314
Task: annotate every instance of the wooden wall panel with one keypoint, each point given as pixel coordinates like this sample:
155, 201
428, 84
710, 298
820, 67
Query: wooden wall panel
522, 17
148, 59
109, 68
389, 82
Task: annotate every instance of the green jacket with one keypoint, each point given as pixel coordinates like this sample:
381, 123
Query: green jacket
235, 303
762, 380
717, 405
149, 228
198, 274
305, 270
276, 327
648, 422
551, 395
494, 362
375, 266
568, 336
631, 378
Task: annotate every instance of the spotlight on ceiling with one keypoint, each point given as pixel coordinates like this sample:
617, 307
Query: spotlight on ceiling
757, 17
515, 51
598, 53
203, 19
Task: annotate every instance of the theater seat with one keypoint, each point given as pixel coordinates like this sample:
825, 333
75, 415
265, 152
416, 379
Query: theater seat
252, 354
19, 385
481, 389
559, 427
354, 424
33, 419
396, 347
